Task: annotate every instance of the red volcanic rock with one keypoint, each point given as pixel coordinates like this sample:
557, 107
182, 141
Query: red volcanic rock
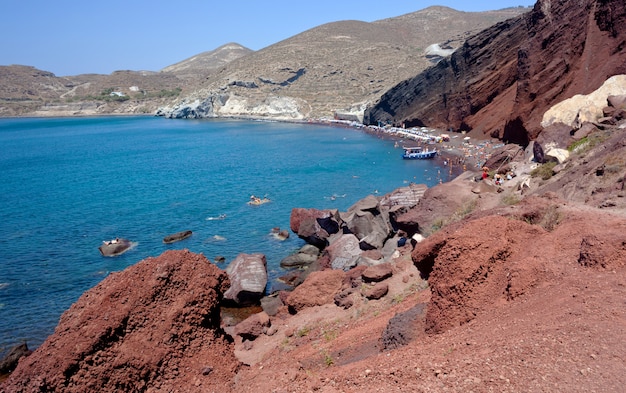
502, 81
253, 326
376, 291
152, 327
486, 262
319, 288
314, 226
378, 273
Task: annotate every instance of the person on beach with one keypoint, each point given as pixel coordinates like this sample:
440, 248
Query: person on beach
485, 173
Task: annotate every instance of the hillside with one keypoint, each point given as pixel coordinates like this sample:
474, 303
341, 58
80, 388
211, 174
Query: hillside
333, 69
330, 69
27, 91
521, 292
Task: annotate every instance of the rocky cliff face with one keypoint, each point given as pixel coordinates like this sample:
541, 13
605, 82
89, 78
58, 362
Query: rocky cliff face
503, 79
139, 330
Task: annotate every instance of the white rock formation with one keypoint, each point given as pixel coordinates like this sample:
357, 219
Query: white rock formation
584, 108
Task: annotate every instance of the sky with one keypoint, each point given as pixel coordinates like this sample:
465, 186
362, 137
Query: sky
72, 37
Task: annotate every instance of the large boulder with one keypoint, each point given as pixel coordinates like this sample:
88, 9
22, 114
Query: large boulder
153, 327
304, 257
583, 108
344, 252
314, 226
248, 278
369, 222
318, 289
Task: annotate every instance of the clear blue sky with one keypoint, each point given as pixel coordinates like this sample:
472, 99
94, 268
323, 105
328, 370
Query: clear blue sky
71, 37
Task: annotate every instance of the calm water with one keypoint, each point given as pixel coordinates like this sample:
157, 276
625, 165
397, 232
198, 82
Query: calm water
68, 184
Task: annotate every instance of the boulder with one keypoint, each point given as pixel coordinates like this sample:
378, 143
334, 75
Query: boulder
115, 247
344, 252
271, 304
345, 298
176, 237
377, 273
558, 155
582, 108
584, 131
502, 156
375, 291
304, 257
248, 278
369, 221
403, 328
314, 226
9, 362
617, 101
253, 326
318, 289
148, 328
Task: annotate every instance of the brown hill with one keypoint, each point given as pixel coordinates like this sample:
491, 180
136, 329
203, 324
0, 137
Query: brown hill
27, 91
502, 80
334, 68
199, 66
330, 69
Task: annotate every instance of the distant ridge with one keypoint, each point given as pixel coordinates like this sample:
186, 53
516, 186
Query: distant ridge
202, 64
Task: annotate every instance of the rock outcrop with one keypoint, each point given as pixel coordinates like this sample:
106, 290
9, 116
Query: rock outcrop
502, 80
144, 329
248, 278
490, 261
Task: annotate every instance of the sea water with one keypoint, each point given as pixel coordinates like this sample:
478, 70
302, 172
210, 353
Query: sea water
69, 184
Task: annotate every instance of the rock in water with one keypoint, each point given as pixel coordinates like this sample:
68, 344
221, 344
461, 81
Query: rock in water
176, 237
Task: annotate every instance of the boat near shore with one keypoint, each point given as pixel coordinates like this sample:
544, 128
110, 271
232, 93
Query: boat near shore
418, 153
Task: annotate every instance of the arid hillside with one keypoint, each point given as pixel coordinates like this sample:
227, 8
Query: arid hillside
333, 68
27, 91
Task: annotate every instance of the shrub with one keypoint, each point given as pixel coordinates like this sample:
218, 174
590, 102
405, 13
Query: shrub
545, 171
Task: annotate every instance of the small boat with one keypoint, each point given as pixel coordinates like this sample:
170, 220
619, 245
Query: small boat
115, 247
418, 153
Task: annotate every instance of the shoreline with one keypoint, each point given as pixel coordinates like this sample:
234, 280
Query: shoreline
460, 153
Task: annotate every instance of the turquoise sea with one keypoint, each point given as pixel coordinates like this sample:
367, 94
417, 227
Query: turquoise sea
68, 184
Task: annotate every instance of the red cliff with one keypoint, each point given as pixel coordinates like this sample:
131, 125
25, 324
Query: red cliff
503, 79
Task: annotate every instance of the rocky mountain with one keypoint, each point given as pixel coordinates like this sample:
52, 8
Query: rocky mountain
502, 80
27, 91
334, 69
